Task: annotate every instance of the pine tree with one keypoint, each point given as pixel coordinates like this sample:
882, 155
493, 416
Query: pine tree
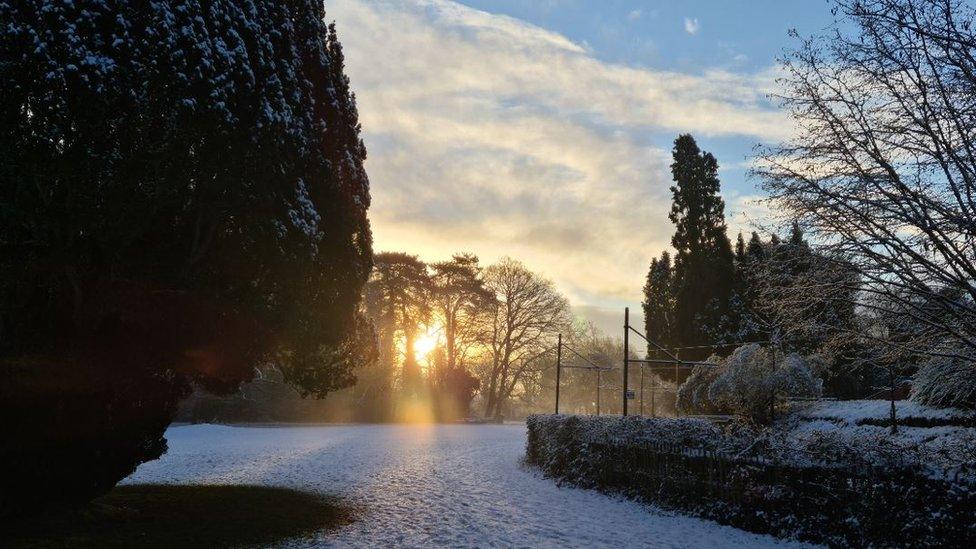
659, 302
755, 249
740, 249
704, 270
796, 235
459, 297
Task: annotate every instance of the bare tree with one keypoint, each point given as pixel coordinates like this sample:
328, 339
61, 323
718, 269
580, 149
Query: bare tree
527, 314
882, 168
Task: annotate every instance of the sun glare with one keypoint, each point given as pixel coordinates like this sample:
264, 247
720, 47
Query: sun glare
424, 344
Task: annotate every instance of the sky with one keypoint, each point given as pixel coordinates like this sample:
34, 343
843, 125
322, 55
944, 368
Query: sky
542, 130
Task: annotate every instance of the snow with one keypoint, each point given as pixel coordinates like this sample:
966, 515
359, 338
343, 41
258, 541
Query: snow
428, 485
855, 411
944, 450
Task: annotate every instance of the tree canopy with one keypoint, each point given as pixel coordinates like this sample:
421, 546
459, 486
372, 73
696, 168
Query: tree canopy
182, 197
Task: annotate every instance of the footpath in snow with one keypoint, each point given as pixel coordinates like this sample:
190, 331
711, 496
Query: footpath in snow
424, 485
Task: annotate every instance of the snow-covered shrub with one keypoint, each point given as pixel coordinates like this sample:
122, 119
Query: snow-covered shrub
693, 393
748, 381
946, 382
797, 376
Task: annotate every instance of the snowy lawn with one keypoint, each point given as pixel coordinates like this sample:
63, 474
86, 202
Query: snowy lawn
854, 412
422, 485
943, 450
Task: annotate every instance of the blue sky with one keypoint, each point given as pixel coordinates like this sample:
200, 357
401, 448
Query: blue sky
741, 35
542, 130
688, 36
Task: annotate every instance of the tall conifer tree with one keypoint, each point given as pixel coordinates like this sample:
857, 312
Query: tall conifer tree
703, 271
659, 302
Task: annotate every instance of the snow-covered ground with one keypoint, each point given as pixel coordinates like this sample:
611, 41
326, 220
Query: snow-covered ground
428, 485
946, 449
853, 412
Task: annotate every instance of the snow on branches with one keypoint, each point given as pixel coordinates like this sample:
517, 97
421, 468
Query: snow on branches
748, 382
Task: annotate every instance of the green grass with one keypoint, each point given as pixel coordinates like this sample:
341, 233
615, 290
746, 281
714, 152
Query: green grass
181, 516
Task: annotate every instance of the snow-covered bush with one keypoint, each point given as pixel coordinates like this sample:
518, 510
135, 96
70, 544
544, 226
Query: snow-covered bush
748, 382
797, 376
946, 382
693, 393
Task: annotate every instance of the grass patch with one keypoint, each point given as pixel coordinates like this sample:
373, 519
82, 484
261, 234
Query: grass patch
151, 515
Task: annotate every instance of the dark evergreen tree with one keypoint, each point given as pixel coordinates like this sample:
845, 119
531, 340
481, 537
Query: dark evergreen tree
703, 271
796, 235
182, 198
461, 302
755, 250
659, 302
740, 249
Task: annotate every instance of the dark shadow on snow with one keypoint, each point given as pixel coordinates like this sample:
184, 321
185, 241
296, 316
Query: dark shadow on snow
152, 515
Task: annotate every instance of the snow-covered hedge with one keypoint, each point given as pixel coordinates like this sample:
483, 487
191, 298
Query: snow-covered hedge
814, 485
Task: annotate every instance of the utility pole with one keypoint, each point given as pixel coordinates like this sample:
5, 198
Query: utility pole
626, 354
642, 390
654, 387
599, 377
559, 356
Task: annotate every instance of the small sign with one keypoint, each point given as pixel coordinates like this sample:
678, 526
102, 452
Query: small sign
630, 395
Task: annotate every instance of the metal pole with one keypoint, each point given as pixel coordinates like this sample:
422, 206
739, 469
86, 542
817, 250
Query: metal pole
598, 378
772, 400
677, 412
653, 389
559, 369
626, 354
642, 390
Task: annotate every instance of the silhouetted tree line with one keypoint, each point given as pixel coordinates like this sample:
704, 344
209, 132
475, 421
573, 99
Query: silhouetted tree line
881, 175
182, 199
881, 172
406, 297
493, 328
456, 340
714, 295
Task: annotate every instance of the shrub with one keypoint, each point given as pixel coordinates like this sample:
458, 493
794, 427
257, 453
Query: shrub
747, 383
693, 393
946, 383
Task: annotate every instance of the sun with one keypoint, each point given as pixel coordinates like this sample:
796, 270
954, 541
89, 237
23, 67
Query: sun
424, 344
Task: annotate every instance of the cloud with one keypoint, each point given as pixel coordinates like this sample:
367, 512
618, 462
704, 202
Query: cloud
634, 15
490, 135
747, 213
692, 25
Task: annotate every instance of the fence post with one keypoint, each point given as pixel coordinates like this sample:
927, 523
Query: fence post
626, 354
559, 356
